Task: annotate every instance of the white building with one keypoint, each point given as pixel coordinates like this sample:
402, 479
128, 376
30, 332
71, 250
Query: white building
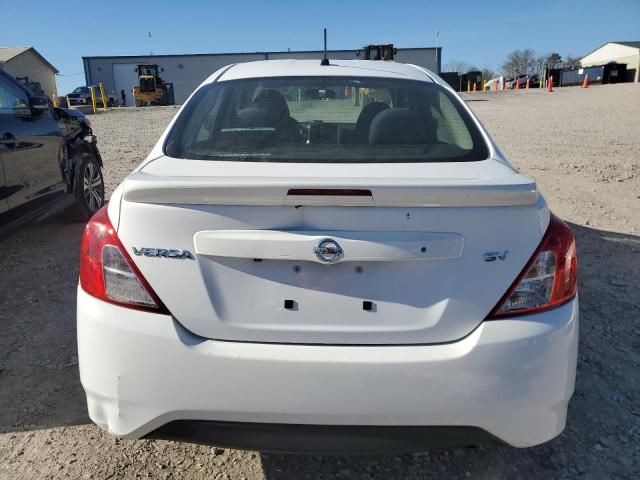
618, 52
26, 62
186, 72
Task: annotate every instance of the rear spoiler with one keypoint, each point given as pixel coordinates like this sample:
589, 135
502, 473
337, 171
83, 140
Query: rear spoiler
515, 190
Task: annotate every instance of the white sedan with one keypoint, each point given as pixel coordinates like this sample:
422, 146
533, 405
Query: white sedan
328, 258
494, 84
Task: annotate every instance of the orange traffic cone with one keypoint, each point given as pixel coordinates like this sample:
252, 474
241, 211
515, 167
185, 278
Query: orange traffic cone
585, 84
527, 87
474, 86
517, 84
550, 87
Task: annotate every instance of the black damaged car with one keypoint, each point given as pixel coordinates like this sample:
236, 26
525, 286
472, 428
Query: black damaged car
49, 160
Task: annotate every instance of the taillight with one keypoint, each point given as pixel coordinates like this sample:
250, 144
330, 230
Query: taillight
108, 273
550, 278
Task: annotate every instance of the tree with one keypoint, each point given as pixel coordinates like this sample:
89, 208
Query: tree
488, 73
520, 62
458, 66
553, 60
541, 65
571, 62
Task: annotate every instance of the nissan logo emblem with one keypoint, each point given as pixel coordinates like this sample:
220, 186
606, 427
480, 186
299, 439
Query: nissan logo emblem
328, 251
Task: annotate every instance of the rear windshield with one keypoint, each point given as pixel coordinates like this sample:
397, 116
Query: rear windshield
325, 120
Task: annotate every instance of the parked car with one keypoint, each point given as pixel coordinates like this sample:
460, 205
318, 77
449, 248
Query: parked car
309, 275
82, 96
492, 84
48, 157
521, 81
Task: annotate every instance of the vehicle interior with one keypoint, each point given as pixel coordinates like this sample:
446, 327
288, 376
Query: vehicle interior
326, 119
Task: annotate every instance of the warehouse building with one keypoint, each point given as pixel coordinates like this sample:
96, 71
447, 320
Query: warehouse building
186, 72
26, 64
627, 53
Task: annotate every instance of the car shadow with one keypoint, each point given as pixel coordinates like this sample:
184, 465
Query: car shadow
39, 383
40, 387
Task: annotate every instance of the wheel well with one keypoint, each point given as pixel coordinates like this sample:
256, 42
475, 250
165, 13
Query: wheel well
75, 151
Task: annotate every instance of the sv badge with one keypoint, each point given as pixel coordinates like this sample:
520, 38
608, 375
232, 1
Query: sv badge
493, 256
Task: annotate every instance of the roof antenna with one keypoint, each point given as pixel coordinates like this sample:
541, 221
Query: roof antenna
325, 60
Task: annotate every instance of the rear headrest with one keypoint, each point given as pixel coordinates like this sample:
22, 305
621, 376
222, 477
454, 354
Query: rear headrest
397, 126
369, 111
271, 100
268, 109
254, 117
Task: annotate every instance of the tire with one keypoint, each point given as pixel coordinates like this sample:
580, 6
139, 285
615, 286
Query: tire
88, 188
111, 103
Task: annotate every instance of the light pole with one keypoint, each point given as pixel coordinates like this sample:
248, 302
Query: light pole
437, 34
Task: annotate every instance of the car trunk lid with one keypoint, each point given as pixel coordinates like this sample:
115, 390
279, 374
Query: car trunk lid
411, 239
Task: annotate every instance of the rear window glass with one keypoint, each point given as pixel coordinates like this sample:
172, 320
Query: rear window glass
325, 120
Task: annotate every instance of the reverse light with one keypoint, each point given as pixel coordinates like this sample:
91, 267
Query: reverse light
108, 273
549, 280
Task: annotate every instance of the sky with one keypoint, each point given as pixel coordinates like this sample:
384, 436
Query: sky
479, 32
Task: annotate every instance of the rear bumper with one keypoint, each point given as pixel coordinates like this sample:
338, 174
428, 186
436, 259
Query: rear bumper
79, 101
511, 379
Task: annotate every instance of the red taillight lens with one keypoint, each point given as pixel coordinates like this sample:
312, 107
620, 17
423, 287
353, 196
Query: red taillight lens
108, 273
549, 279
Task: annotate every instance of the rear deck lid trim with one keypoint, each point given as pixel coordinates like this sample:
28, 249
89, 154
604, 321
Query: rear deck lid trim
357, 246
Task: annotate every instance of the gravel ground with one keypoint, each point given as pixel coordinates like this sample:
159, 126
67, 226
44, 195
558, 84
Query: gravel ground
583, 147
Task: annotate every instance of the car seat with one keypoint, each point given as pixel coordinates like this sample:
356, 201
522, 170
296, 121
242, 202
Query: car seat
360, 133
397, 126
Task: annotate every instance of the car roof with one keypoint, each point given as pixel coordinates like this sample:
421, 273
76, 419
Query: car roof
312, 68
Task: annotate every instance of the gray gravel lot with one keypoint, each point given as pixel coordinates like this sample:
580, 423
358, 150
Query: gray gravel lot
582, 146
